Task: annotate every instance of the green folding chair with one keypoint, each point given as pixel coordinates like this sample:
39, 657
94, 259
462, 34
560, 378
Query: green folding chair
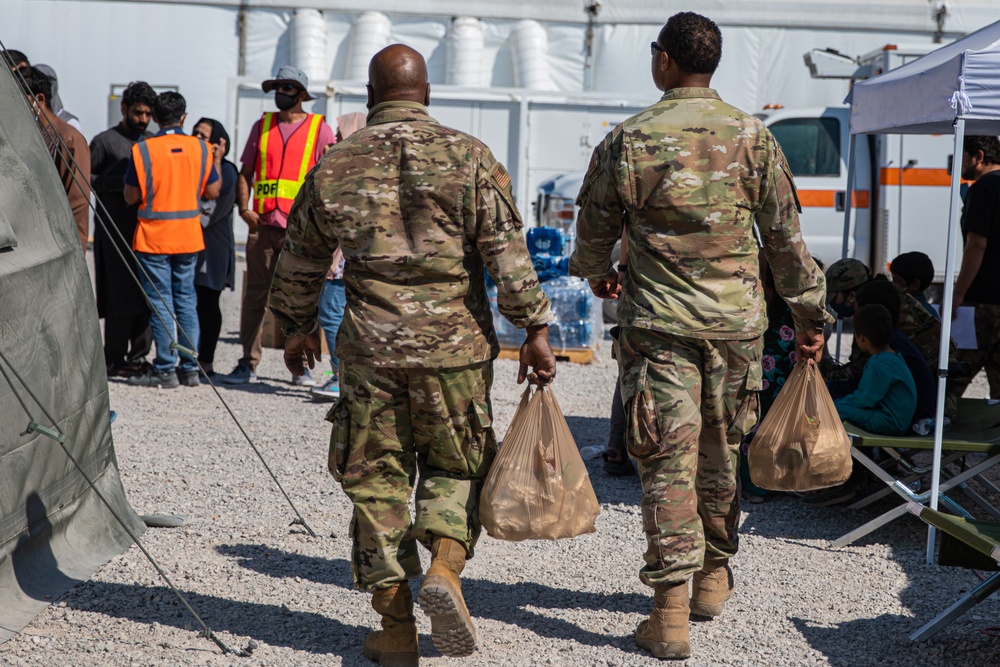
971, 437
965, 542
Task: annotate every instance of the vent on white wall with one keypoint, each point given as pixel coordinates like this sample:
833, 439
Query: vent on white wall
531, 56
371, 33
465, 52
307, 44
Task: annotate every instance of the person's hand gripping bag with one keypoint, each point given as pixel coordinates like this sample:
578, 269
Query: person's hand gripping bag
801, 445
538, 487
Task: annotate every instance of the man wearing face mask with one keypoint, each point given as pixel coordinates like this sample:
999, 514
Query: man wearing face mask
281, 150
120, 301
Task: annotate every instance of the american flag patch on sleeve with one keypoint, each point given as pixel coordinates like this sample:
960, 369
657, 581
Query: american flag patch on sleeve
501, 176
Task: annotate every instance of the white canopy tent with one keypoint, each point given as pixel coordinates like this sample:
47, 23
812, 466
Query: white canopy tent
955, 89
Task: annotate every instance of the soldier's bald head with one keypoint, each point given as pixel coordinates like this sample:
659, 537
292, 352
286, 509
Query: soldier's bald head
398, 73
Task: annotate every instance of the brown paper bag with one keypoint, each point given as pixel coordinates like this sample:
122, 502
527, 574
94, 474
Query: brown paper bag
801, 445
538, 487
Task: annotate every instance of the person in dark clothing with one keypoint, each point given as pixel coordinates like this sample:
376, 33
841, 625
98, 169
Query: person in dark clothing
885, 293
120, 299
913, 273
979, 276
216, 267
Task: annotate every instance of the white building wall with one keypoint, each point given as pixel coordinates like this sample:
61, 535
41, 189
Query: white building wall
93, 44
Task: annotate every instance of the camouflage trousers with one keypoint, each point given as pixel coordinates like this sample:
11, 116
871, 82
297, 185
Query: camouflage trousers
987, 354
688, 402
391, 423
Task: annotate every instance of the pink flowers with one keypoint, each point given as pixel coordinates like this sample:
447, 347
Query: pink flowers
767, 362
786, 333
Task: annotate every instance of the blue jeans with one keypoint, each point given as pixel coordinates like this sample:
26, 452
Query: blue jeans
173, 277
332, 302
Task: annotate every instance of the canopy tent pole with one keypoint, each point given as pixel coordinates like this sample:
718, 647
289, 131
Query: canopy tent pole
848, 205
943, 348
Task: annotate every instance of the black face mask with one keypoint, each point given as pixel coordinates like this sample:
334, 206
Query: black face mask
843, 310
285, 102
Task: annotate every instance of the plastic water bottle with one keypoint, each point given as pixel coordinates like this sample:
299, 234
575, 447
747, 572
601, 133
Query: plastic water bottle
924, 426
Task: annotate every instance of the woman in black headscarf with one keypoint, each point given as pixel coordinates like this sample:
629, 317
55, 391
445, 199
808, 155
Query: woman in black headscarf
216, 267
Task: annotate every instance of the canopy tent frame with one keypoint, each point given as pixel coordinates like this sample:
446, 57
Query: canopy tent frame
876, 109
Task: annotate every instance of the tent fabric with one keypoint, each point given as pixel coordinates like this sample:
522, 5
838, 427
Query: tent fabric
926, 95
54, 530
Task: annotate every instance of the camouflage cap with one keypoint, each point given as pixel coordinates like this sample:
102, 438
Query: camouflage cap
846, 274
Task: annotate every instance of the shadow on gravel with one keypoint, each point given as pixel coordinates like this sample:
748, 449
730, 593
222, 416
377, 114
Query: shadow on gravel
266, 386
884, 640
274, 625
787, 516
612, 490
505, 602
589, 431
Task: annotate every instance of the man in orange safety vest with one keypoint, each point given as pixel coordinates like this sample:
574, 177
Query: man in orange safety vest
167, 175
280, 151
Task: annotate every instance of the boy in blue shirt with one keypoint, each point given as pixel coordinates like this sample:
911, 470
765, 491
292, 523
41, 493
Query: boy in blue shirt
887, 396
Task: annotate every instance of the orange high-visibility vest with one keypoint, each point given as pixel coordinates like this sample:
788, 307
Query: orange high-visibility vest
282, 167
173, 170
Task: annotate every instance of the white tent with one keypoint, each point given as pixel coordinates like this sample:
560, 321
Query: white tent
955, 89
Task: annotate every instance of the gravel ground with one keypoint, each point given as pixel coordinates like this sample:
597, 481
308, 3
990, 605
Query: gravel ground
252, 576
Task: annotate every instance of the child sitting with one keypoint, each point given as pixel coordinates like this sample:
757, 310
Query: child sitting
913, 272
887, 397
885, 293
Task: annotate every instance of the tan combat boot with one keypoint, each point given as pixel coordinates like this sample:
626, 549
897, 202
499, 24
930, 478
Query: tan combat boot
441, 599
666, 634
395, 645
712, 587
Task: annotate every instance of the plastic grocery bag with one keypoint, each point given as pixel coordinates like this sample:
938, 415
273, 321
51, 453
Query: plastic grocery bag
538, 487
801, 445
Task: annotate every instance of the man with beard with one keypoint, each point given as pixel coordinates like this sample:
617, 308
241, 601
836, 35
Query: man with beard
980, 273
120, 300
281, 150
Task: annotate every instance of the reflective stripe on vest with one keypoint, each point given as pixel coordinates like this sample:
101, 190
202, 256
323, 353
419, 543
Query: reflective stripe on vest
172, 176
147, 212
277, 181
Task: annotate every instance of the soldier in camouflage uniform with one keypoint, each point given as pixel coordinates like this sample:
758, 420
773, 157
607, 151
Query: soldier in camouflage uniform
686, 179
843, 279
419, 210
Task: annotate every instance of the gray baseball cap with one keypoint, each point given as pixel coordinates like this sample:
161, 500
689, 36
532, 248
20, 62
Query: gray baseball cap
288, 74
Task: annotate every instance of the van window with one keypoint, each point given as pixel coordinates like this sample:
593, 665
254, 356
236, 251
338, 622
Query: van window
812, 145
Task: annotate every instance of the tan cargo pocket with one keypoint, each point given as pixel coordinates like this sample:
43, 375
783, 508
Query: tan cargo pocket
483, 447
340, 437
642, 433
747, 413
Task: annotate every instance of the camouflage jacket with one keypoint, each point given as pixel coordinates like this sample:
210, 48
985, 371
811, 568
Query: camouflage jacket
687, 178
418, 210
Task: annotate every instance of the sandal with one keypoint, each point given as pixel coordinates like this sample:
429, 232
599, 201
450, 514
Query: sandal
615, 465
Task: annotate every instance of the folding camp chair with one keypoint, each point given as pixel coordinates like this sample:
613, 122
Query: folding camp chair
981, 536
973, 438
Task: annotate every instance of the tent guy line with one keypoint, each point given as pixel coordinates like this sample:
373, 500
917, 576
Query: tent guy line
174, 344
55, 433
